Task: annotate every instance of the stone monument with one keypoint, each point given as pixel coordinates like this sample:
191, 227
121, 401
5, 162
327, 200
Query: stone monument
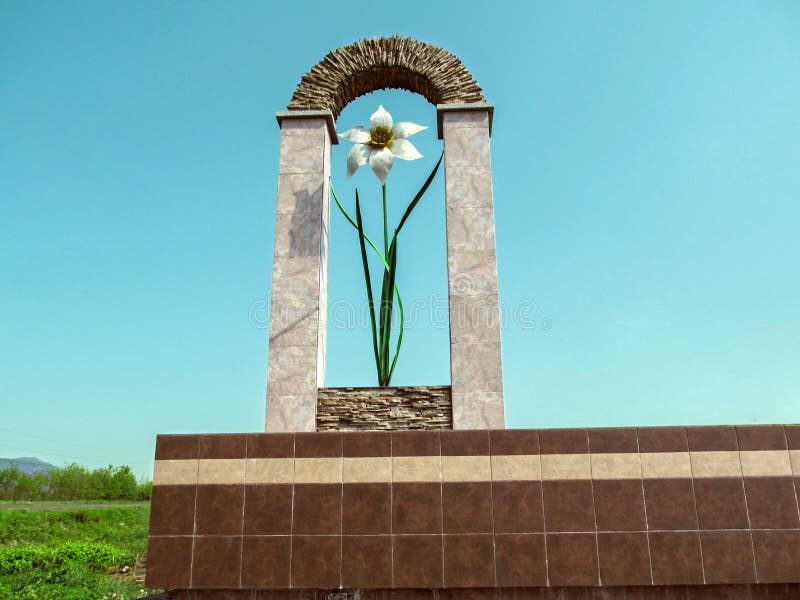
462, 507
296, 369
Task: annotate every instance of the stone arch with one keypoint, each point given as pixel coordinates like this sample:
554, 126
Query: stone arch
379, 63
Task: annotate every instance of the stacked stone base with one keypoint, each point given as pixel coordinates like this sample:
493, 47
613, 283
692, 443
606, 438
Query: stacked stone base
384, 408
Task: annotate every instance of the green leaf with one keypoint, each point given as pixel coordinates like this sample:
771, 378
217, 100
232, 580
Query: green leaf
419, 195
368, 281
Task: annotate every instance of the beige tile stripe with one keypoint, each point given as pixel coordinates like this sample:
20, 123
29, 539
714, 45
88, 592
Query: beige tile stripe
534, 467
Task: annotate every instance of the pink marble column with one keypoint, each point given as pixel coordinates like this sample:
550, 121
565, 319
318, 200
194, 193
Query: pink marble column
476, 371
296, 362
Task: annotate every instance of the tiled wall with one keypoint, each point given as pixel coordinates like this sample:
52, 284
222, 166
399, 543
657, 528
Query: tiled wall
477, 509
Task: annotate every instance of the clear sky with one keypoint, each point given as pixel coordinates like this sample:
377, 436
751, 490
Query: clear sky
646, 161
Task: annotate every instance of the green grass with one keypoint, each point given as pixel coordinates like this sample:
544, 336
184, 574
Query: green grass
76, 554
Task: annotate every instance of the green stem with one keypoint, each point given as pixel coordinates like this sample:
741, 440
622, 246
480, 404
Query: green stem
368, 283
385, 225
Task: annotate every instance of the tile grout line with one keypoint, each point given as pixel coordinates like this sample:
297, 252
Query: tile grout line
491, 502
244, 502
594, 512
696, 510
441, 502
391, 509
291, 514
544, 515
746, 506
341, 511
644, 503
791, 469
194, 522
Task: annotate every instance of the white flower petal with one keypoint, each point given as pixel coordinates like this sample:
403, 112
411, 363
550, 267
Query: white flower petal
381, 162
358, 155
405, 150
380, 118
359, 134
406, 129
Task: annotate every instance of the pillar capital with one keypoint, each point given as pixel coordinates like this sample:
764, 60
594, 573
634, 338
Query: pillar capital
327, 115
443, 109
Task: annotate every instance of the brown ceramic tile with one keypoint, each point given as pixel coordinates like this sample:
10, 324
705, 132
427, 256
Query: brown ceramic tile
624, 558
415, 443
517, 506
619, 505
317, 509
215, 595
265, 562
367, 561
366, 508
465, 443
572, 559
793, 436
670, 504
219, 509
172, 510
564, 441
723, 592
521, 560
367, 443
270, 445
316, 561
268, 509
513, 441
169, 562
720, 503
568, 506
216, 562
327, 444
467, 507
777, 555
717, 437
761, 437
675, 556
405, 594
469, 594
223, 445
417, 508
469, 561
176, 447
417, 561
612, 439
771, 502
727, 556
662, 439
514, 593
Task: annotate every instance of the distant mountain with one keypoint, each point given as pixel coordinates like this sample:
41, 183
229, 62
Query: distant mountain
26, 464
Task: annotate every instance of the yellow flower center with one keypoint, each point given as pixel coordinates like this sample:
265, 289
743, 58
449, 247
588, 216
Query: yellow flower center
381, 137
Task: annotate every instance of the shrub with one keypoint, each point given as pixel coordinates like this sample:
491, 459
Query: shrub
96, 555
73, 482
145, 490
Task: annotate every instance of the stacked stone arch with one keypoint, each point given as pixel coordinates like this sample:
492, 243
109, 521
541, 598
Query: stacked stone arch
379, 63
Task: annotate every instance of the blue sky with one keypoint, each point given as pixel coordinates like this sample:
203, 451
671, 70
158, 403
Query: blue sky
646, 181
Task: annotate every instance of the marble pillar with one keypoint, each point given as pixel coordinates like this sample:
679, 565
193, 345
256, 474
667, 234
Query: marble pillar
476, 370
296, 361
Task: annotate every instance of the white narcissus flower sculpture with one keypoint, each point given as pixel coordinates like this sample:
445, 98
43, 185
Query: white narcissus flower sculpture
381, 143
